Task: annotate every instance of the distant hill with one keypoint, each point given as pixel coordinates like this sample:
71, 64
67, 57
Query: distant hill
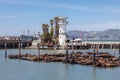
110, 34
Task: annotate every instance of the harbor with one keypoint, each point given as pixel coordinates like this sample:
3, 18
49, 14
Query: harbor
59, 39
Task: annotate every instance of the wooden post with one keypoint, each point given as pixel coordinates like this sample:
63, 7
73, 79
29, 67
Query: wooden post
91, 46
72, 51
111, 46
103, 46
94, 59
119, 51
5, 46
94, 48
114, 49
76, 45
38, 46
97, 48
72, 48
66, 52
21, 45
19, 49
94, 55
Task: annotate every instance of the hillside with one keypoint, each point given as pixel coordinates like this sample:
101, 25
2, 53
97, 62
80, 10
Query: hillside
110, 34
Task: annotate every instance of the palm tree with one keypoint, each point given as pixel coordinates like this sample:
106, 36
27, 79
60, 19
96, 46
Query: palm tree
45, 28
51, 29
51, 22
56, 27
45, 36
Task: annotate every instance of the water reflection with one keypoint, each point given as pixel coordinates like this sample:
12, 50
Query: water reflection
94, 73
52, 71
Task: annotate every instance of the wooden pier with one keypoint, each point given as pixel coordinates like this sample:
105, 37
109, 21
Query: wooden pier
90, 45
14, 43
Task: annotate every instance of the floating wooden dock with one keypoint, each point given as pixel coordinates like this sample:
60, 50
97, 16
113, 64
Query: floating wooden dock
88, 58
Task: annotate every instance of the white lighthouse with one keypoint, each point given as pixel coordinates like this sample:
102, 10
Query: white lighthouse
62, 30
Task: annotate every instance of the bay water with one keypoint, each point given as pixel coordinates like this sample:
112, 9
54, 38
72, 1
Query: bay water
14, 69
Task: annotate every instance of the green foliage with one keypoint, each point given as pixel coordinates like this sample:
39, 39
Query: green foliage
45, 28
56, 27
46, 38
49, 36
51, 29
51, 22
51, 32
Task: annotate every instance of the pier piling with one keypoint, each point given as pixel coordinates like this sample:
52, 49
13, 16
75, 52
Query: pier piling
94, 54
5, 46
114, 50
19, 49
38, 46
94, 46
66, 58
94, 59
119, 51
72, 49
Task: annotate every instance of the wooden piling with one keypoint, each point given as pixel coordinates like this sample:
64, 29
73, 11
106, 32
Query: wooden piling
21, 45
5, 46
119, 51
94, 54
91, 46
72, 51
94, 48
94, 59
76, 45
111, 46
72, 48
103, 46
19, 49
38, 47
114, 50
66, 58
97, 48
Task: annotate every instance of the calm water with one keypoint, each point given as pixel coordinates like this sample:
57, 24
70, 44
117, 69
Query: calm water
27, 70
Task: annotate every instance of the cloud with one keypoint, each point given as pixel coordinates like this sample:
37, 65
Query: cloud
10, 16
97, 26
50, 4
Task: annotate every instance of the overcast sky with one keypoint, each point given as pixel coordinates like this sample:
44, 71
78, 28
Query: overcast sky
89, 15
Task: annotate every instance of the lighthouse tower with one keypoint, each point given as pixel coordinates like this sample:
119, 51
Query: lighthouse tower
62, 30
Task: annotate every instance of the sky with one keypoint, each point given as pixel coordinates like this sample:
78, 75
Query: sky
17, 16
